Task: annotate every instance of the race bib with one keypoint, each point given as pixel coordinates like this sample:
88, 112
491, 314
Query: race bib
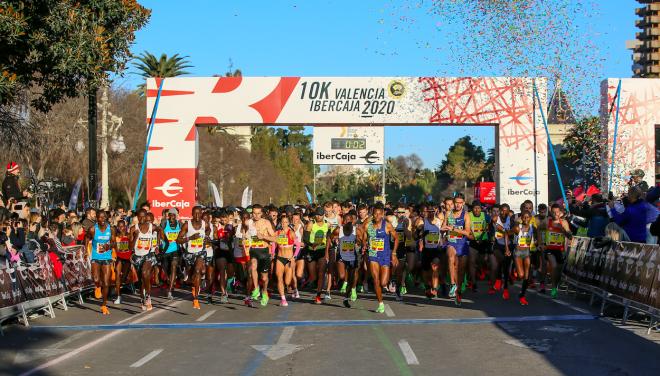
282, 241
555, 238
524, 241
347, 246
478, 227
499, 235
377, 245
172, 236
100, 248
122, 246
143, 244
432, 237
455, 235
197, 243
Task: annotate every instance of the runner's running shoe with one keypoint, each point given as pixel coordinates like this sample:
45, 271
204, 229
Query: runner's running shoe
255, 294
169, 295
404, 290
523, 301
104, 310
347, 304
498, 284
296, 294
505, 294
342, 290
283, 303
353, 295
196, 304
118, 300
452, 291
458, 300
327, 296
318, 300
97, 292
264, 299
553, 293
148, 304
381, 308
224, 299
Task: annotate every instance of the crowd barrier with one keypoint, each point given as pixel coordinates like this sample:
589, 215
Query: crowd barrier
622, 273
35, 287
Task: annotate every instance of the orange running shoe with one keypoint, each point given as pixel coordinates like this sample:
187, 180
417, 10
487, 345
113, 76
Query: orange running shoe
97, 292
196, 304
523, 301
104, 310
505, 294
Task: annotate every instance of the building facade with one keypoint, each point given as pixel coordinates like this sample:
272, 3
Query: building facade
646, 46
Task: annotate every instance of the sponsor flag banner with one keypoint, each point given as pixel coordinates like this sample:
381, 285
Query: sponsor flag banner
172, 188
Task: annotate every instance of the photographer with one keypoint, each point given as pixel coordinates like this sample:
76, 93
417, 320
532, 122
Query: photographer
10, 186
594, 211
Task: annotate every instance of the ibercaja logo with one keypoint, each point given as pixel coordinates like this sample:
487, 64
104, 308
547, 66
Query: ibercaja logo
171, 188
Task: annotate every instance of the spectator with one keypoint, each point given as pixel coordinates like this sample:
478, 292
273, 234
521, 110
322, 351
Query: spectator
595, 212
633, 217
10, 187
90, 219
637, 180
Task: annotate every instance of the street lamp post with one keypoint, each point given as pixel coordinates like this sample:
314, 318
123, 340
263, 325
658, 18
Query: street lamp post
91, 134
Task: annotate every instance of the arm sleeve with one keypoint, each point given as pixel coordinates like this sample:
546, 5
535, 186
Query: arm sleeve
297, 246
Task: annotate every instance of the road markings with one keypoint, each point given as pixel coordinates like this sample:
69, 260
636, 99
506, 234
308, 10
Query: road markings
408, 353
564, 303
556, 328
282, 348
146, 358
388, 311
206, 315
29, 355
89, 345
315, 323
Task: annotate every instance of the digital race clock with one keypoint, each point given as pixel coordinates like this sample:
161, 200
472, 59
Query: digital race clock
348, 143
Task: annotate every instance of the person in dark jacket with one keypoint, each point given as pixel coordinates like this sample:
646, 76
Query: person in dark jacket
595, 212
633, 218
10, 186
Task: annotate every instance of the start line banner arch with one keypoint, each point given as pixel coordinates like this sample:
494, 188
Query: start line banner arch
505, 103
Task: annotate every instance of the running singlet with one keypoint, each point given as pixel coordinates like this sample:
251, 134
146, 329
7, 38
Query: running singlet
99, 241
458, 223
240, 242
144, 241
318, 233
478, 225
285, 238
554, 236
432, 237
378, 239
172, 234
401, 227
499, 235
196, 245
332, 222
123, 248
525, 239
347, 245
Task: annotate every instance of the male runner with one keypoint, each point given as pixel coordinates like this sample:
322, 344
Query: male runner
458, 247
406, 251
172, 255
224, 253
554, 232
123, 261
194, 235
428, 230
363, 216
479, 245
317, 259
141, 237
376, 238
261, 234
348, 258
503, 249
102, 236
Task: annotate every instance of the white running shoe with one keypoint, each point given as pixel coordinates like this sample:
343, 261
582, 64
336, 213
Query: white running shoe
118, 300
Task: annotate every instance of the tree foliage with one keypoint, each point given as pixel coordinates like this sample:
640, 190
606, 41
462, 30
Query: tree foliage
582, 149
148, 65
58, 47
464, 161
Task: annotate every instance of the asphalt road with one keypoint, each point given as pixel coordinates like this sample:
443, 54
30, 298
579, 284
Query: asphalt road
486, 336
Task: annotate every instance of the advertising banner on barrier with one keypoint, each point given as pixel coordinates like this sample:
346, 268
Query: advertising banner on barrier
10, 291
628, 270
77, 271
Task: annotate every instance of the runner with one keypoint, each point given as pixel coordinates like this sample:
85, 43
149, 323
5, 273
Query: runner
554, 232
194, 234
242, 255
316, 255
286, 242
172, 256
143, 258
298, 229
332, 217
458, 247
102, 238
363, 216
479, 245
376, 238
536, 256
406, 251
224, 254
261, 234
348, 258
428, 230
525, 236
123, 261
502, 250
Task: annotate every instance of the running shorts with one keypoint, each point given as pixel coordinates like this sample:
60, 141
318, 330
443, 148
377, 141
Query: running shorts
522, 253
102, 262
191, 258
383, 258
403, 251
481, 246
462, 248
313, 256
428, 255
559, 255
224, 254
285, 261
350, 264
263, 259
138, 261
167, 258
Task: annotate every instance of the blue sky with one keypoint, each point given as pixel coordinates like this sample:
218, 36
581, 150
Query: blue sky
344, 38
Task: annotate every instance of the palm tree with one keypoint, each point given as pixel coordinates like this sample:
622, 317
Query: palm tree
150, 66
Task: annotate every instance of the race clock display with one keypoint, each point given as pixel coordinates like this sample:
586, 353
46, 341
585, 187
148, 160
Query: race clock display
348, 143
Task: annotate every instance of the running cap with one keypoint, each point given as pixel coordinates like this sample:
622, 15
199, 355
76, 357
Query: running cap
319, 211
12, 166
173, 211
